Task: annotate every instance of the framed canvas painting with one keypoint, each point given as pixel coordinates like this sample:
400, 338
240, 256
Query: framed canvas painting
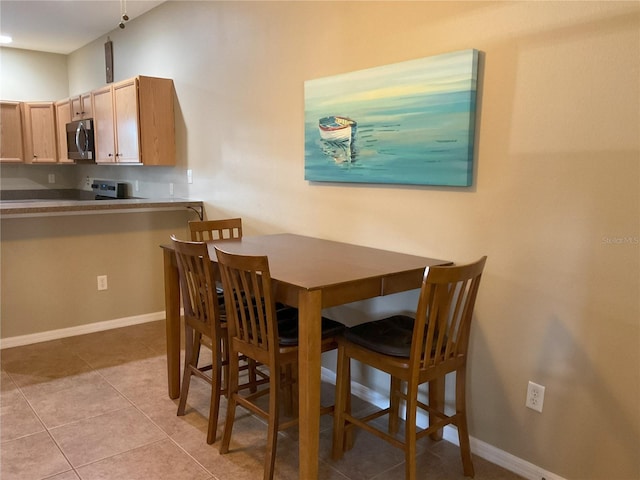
405, 123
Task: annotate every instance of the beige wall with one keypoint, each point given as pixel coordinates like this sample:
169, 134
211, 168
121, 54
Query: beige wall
50, 265
555, 203
42, 75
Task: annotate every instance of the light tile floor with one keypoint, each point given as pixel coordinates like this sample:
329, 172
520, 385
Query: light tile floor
95, 407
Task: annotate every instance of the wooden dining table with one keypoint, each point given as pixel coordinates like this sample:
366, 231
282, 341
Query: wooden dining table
310, 274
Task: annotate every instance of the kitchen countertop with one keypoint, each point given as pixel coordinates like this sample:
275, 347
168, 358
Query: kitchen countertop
44, 207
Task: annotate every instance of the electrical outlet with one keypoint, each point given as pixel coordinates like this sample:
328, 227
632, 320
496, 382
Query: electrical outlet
189, 176
52, 178
137, 186
535, 397
171, 189
87, 182
102, 282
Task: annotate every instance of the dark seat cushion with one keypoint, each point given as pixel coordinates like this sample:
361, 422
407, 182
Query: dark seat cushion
288, 327
389, 336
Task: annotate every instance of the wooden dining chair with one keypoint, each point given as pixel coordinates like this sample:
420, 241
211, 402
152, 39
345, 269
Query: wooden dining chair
267, 335
225, 229
222, 229
204, 324
413, 352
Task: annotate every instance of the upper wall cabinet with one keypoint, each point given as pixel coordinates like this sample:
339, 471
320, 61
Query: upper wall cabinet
115, 106
103, 128
134, 122
39, 132
63, 116
11, 147
81, 107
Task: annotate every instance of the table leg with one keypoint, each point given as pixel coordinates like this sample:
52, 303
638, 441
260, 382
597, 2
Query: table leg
172, 309
309, 304
436, 400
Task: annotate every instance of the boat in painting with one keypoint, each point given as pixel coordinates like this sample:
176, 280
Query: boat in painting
338, 135
337, 128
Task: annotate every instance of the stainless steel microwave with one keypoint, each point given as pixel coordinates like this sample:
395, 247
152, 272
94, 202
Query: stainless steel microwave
80, 143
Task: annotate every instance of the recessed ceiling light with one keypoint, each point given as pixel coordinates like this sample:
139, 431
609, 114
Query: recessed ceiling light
5, 39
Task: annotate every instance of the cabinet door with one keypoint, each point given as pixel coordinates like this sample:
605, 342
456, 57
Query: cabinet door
63, 116
103, 125
87, 105
11, 147
157, 124
125, 105
81, 107
40, 133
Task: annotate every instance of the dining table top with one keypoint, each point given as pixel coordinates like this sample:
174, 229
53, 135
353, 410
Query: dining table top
313, 263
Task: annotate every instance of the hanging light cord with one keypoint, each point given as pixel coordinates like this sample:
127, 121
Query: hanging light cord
123, 13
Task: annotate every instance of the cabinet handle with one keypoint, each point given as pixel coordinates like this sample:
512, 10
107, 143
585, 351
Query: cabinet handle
111, 154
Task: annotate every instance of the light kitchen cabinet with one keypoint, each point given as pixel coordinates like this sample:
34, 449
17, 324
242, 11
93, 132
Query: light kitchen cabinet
104, 133
11, 146
63, 116
134, 122
39, 132
81, 107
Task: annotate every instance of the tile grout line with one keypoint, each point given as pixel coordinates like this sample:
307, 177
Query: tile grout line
46, 429
166, 435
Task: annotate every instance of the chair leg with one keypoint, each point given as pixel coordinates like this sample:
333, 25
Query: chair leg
295, 397
191, 353
348, 434
287, 390
197, 344
410, 432
216, 388
340, 405
234, 371
463, 430
436, 401
394, 404
224, 356
272, 428
253, 376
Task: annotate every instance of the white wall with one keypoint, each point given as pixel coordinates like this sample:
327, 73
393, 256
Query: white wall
555, 202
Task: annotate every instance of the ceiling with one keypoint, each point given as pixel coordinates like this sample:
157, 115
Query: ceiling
63, 26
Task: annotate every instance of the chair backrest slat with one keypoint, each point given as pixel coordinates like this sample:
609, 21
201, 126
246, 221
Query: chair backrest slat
206, 230
198, 285
246, 281
444, 313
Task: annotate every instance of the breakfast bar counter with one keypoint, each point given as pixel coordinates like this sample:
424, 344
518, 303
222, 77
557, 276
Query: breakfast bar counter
46, 207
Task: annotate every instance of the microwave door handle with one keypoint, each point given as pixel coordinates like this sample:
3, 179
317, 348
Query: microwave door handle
82, 151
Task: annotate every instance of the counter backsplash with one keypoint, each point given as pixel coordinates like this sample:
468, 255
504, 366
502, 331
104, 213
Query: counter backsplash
143, 182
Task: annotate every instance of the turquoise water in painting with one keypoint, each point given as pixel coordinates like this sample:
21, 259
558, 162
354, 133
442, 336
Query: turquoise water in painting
415, 123
426, 141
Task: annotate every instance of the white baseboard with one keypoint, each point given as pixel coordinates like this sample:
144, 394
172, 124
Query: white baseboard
478, 447
21, 340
